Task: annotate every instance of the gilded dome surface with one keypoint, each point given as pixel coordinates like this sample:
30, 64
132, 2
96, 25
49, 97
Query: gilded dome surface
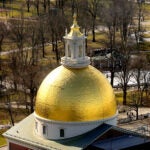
68, 95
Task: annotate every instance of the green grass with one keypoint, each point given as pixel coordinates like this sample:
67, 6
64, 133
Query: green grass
131, 95
17, 113
14, 9
146, 35
147, 7
119, 97
2, 139
145, 46
101, 40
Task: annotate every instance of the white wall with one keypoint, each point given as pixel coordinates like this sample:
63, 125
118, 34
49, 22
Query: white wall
71, 129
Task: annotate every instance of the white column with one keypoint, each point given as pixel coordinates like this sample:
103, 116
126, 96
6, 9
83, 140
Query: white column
83, 48
66, 48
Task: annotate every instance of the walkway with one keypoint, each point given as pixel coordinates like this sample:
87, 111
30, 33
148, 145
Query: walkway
3, 148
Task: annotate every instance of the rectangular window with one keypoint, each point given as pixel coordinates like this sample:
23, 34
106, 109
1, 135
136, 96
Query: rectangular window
62, 134
44, 129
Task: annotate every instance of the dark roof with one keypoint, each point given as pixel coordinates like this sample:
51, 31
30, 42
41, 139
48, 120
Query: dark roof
118, 138
121, 142
86, 139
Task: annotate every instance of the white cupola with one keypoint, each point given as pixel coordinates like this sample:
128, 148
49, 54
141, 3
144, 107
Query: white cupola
75, 56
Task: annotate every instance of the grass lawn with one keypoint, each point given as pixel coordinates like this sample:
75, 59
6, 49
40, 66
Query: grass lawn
131, 95
2, 139
145, 46
147, 7
101, 40
17, 113
146, 35
119, 98
14, 9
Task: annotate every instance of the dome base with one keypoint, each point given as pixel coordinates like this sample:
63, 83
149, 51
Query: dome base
75, 63
55, 130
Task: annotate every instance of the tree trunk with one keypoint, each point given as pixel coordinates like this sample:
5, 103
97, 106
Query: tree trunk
11, 117
56, 51
0, 52
37, 9
48, 4
124, 95
15, 85
43, 48
10, 110
112, 77
44, 5
53, 42
31, 103
4, 3
137, 112
32, 94
28, 5
93, 33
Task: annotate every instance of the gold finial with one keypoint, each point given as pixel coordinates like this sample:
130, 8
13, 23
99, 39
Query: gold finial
74, 18
75, 28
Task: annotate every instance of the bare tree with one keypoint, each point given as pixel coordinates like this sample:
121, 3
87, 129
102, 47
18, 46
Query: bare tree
10, 108
56, 24
18, 36
37, 5
45, 5
138, 74
74, 6
135, 104
18, 32
4, 3
3, 34
83, 19
60, 4
15, 69
48, 5
42, 33
124, 76
126, 14
25, 74
140, 12
111, 14
28, 3
92, 8
29, 75
137, 26
33, 41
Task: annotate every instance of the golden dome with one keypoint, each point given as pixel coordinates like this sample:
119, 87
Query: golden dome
75, 95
